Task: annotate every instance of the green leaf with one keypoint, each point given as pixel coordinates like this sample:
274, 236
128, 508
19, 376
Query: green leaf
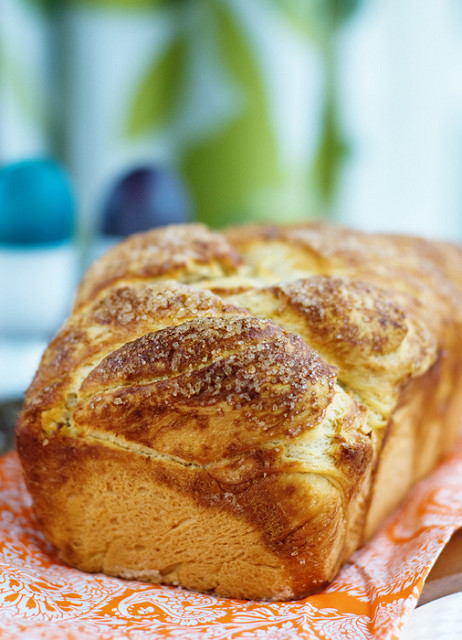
322, 18
225, 170
305, 16
159, 90
329, 156
344, 9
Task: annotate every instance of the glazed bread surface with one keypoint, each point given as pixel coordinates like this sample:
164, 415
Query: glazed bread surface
237, 412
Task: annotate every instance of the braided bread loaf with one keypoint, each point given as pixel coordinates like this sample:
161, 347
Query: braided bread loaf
238, 412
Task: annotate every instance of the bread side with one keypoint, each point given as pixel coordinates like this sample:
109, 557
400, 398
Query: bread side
213, 417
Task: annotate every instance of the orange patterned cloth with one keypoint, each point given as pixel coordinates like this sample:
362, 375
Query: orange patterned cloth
372, 597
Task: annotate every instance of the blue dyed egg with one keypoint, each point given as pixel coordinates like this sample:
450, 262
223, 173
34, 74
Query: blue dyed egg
36, 203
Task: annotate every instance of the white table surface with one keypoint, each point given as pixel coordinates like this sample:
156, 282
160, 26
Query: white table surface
440, 619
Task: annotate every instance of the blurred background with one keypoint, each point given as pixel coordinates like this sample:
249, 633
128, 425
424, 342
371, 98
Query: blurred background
117, 115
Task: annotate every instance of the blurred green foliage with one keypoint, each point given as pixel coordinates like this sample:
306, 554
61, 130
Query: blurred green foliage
240, 156
159, 91
53, 5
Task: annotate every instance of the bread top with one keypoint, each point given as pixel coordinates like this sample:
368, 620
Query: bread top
149, 337
186, 253
177, 369
424, 277
273, 353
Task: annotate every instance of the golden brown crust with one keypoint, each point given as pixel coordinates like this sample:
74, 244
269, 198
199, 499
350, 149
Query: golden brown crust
209, 388
127, 311
354, 325
186, 252
420, 272
229, 411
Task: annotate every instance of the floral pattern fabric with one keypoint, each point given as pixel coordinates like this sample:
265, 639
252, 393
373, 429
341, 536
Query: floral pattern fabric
372, 597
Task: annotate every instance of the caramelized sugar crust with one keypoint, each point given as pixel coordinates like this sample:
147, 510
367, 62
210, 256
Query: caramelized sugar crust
237, 412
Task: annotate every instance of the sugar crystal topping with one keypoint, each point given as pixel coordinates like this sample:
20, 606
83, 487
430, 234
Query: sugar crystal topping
239, 359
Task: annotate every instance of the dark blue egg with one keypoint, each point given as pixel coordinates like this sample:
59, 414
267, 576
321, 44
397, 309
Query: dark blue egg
145, 198
36, 203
